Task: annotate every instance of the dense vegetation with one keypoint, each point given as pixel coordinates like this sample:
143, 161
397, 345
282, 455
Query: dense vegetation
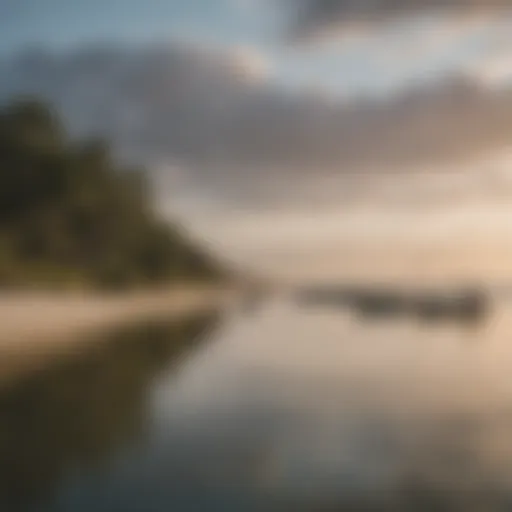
70, 215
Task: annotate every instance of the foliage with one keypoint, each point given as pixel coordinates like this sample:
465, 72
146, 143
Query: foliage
70, 214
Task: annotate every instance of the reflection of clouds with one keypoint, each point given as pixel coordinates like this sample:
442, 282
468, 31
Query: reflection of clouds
335, 408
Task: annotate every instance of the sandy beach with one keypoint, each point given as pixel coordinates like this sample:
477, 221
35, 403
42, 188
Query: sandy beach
38, 325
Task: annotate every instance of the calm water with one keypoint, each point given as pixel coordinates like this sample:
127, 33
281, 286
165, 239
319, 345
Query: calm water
280, 409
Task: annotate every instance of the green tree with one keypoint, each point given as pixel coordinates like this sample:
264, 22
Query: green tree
70, 213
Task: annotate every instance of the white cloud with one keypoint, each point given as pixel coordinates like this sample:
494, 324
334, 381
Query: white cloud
250, 64
493, 71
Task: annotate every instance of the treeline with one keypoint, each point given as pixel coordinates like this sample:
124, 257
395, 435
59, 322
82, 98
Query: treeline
70, 215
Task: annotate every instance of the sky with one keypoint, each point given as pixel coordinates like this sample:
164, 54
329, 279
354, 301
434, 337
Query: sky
271, 125
342, 63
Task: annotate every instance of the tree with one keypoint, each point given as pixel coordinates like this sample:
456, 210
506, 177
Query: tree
68, 209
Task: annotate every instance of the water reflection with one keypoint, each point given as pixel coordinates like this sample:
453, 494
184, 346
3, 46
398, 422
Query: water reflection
79, 412
286, 409
318, 411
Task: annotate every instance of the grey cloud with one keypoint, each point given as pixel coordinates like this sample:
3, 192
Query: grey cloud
311, 15
205, 110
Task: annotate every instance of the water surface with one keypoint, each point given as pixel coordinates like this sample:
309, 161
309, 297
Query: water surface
279, 409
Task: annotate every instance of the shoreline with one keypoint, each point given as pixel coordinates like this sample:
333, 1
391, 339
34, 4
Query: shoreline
36, 327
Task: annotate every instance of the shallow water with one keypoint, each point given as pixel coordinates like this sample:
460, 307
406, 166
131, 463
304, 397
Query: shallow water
279, 409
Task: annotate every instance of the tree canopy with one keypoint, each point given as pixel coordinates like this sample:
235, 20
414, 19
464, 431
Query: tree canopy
70, 214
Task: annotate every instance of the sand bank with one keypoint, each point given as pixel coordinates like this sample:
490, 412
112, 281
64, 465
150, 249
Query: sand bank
35, 326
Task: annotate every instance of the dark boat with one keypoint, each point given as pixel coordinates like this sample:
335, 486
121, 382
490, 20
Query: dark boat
467, 306
379, 304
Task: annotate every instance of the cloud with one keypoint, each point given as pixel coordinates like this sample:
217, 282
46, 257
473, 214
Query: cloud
250, 64
217, 114
493, 71
311, 16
